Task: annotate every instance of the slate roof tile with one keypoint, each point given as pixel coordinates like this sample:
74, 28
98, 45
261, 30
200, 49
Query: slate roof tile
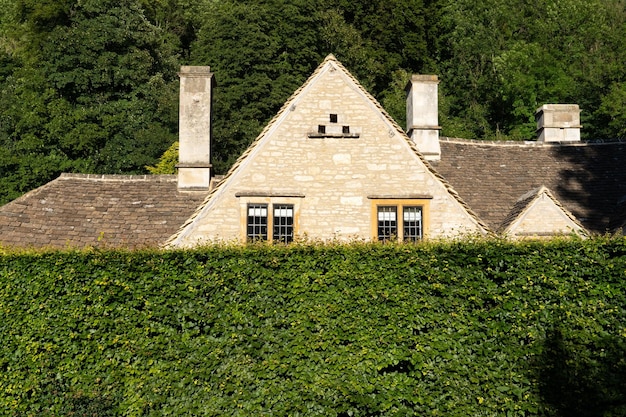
587, 178
77, 210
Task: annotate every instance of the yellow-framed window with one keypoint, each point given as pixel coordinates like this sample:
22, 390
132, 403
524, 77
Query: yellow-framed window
262, 218
269, 218
404, 220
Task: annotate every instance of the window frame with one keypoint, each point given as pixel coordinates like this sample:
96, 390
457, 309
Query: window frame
388, 223
248, 200
263, 229
400, 203
280, 230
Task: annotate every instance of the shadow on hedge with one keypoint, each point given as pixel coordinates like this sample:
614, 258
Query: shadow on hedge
583, 379
72, 402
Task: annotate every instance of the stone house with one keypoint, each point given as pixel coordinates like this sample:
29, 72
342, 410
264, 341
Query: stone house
332, 164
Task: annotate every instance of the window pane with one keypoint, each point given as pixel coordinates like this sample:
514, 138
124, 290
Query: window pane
283, 223
257, 222
387, 223
412, 223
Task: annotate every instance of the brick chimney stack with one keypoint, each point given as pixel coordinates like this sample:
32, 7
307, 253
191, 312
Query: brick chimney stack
194, 130
422, 109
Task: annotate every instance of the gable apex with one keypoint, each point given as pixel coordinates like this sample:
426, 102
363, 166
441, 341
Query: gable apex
525, 218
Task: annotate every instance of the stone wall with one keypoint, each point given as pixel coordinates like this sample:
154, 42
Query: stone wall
543, 218
333, 174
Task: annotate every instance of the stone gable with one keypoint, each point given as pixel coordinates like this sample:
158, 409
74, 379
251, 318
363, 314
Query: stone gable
332, 153
539, 214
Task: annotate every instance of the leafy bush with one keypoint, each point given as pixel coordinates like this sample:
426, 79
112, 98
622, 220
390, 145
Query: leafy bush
453, 329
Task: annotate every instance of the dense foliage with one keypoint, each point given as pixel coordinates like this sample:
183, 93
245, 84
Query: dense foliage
91, 86
450, 329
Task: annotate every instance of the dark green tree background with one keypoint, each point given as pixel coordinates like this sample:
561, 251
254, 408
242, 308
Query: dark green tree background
91, 85
94, 90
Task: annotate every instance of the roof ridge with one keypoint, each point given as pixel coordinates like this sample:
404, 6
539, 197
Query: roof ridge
118, 177
530, 143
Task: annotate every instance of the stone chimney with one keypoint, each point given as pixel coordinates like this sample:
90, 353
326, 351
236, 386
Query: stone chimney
558, 123
422, 121
194, 128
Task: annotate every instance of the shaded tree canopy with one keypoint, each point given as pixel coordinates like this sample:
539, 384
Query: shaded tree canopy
91, 86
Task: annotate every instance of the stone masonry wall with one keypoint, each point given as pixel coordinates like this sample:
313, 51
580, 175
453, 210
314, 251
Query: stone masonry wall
329, 179
543, 218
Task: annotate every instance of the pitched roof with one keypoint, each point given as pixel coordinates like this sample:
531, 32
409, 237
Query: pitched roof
330, 63
77, 210
587, 178
617, 223
525, 203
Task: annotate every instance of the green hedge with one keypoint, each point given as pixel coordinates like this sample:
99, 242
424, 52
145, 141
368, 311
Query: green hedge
473, 328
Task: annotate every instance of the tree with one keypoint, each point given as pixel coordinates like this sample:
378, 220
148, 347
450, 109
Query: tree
96, 91
612, 111
501, 59
390, 35
114, 75
177, 17
167, 161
